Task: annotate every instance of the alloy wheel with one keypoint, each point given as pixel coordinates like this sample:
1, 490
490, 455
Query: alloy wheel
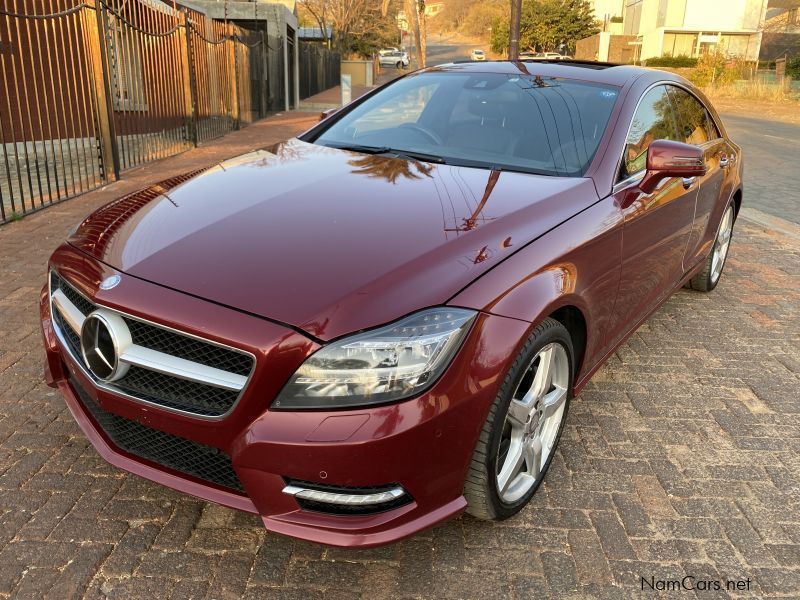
721, 244
532, 423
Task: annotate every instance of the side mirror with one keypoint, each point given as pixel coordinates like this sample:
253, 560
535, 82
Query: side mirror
327, 113
666, 158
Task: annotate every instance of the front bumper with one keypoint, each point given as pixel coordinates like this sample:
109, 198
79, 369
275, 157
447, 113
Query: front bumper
424, 444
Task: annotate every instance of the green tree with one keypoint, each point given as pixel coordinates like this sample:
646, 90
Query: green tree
549, 25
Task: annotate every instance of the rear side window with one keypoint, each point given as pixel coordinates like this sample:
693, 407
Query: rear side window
695, 125
654, 120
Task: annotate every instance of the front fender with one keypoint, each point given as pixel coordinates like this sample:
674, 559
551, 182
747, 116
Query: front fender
577, 264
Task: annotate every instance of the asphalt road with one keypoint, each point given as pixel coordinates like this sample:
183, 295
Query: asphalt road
440, 51
772, 176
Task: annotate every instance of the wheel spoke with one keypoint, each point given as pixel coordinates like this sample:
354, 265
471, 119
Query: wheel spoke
553, 401
544, 373
511, 467
533, 457
518, 413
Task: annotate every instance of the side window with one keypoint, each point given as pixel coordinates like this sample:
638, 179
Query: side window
653, 121
694, 123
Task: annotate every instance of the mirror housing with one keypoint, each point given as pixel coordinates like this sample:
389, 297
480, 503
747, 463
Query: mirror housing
327, 113
666, 158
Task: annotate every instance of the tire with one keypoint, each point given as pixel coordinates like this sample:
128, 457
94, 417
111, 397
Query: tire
494, 451
399, 64
708, 278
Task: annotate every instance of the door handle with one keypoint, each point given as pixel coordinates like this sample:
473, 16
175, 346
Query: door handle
688, 182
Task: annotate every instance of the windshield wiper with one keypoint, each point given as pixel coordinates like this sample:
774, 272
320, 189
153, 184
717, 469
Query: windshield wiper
412, 154
360, 148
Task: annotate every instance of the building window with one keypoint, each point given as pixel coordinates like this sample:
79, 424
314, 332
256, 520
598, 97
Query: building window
679, 44
633, 17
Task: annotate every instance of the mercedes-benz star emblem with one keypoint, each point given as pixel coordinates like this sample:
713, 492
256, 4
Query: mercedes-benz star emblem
110, 282
104, 337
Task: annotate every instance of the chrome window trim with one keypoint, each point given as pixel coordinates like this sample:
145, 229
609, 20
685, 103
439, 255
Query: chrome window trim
628, 181
113, 389
618, 184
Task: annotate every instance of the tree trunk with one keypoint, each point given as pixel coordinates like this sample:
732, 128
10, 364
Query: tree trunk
422, 44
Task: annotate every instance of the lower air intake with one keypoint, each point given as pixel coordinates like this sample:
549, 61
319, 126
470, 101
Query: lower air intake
192, 458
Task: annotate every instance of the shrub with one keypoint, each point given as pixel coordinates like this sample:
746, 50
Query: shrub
615, 20
672, 61
714, 69
793, 67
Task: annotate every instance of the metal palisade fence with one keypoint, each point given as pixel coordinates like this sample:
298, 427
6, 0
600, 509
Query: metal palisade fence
90, 88
320, 69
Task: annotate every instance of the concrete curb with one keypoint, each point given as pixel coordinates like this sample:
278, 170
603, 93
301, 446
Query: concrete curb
771, 223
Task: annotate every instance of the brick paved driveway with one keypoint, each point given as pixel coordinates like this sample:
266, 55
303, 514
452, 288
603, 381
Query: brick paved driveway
681, 457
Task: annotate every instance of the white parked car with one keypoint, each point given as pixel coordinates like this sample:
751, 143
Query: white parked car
389, 50
477, 55
542, 56
394, 59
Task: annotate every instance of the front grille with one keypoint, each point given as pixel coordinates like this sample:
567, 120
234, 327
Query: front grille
172, 451
72, 339
162, 389
176, 393
188, 348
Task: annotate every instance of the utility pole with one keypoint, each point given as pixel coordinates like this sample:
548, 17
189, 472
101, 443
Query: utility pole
513, 30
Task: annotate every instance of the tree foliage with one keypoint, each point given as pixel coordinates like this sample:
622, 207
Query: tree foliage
481, 17
360, 27
548, 26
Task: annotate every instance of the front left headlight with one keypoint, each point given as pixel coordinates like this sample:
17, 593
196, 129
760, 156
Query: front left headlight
383, 365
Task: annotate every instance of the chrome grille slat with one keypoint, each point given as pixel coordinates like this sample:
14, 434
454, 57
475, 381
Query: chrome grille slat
166, 368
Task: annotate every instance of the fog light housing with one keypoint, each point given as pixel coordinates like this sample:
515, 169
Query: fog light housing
346, 500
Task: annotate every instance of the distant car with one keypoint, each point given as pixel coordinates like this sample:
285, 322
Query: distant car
386, 51
542, 56
477, 55
394, 59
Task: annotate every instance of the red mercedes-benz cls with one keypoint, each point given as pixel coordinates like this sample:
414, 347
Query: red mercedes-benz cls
375, 326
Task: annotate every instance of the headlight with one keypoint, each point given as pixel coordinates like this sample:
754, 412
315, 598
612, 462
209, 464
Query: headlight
391, 363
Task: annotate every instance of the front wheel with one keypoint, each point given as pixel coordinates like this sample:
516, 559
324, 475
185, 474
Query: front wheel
518, 439
399, 64
707, 279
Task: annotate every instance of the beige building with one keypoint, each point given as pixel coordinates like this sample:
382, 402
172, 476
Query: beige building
695, 27
690, 27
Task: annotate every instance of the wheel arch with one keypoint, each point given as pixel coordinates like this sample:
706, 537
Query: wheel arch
574, 321
737, 201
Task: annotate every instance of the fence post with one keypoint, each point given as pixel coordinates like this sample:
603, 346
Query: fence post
96, 29
264, 83
235, 108
189, 89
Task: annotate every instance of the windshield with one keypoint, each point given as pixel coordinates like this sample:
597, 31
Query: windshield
546, 125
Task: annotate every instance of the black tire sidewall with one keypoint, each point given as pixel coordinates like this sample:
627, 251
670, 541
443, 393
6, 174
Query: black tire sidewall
559, 334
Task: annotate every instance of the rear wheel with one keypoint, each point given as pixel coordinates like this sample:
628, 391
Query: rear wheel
519, 437
707, 279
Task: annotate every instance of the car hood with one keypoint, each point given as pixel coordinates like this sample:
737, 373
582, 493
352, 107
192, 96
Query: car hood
325, 240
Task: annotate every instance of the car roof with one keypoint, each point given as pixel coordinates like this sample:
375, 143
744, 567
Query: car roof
599, 72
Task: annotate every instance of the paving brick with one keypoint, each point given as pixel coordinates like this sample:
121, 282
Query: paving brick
612, 536
591, 564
